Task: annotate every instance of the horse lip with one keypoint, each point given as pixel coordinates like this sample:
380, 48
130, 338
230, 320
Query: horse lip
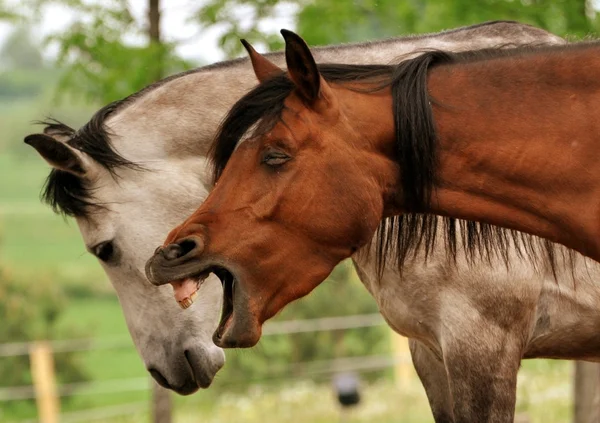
237, 334
228, 281
160, 274
203, 375
238, 328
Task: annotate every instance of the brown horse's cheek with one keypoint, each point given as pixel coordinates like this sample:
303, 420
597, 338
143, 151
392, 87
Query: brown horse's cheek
365, 215
308, 271
368, 226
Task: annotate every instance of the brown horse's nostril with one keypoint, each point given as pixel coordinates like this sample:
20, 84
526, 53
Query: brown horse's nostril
175, 251
171, 252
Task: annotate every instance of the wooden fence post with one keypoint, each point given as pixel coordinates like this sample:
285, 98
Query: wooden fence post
162, 407
587, 392
403, 370
44, 380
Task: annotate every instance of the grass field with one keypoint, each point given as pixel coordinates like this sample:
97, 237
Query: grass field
34, 241
543, 397
32, 238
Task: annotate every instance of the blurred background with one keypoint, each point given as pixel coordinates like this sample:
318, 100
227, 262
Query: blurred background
67, 58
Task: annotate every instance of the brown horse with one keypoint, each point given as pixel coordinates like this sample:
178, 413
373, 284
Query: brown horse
500, 136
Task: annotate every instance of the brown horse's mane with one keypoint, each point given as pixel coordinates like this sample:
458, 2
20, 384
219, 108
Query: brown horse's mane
416, 145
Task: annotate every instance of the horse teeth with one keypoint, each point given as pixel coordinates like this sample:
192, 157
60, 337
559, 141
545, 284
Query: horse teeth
187, 302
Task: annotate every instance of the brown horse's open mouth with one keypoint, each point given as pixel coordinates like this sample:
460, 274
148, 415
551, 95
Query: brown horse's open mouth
186, 288
238, 327
235, 319
228, 281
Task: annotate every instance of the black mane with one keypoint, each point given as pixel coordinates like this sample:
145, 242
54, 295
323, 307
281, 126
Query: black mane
416, 143
263, 105
66, 193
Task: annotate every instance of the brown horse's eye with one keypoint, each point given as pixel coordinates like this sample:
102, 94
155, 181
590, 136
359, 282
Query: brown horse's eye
274, 158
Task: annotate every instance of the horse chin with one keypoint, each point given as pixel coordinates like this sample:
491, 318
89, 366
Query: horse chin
238, 327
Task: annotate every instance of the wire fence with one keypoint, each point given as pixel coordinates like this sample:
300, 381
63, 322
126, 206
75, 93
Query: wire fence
143, 384
400, 359
271, 328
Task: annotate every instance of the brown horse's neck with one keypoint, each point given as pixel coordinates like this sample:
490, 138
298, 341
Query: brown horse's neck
519, 145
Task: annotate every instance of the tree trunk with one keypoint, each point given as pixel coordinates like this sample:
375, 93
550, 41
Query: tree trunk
587, 393
161, 404
154, 38
154, 21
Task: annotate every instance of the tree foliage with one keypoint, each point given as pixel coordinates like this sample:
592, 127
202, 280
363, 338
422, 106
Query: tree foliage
338, 21
99, 64
243, 19
22, 63
20, 52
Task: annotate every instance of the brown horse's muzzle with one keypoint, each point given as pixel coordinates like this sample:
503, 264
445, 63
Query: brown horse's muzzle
185, 264
176, 261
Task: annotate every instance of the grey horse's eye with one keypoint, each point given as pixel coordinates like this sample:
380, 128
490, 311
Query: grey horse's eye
104, 251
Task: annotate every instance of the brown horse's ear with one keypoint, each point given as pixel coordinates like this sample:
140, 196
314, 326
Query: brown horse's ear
58, 154
263, 68
303, 70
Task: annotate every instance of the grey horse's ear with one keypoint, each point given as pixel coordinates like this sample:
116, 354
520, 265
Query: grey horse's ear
58, 131
58, 154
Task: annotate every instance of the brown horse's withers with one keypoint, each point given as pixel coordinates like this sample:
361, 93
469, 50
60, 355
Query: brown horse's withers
329, 156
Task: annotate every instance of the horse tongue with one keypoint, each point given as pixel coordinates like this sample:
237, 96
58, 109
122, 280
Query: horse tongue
184, 289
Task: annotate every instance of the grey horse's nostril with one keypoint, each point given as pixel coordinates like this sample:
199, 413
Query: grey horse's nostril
159, 378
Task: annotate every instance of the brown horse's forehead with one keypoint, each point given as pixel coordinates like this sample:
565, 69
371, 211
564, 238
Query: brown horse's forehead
297, 123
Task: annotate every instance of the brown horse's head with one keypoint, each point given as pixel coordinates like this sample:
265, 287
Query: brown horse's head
301, 191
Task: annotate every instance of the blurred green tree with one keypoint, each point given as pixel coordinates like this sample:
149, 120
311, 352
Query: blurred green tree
99, 63
337, 21
103, 67
243, 18
8, 13
20, 52
22, 64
